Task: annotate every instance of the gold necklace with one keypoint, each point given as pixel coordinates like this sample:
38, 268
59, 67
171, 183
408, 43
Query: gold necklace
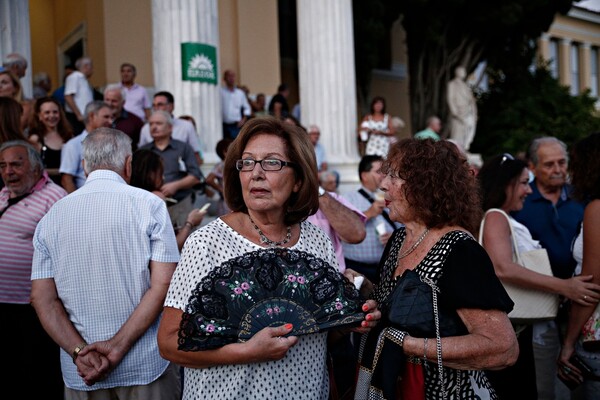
414, 246
264, 239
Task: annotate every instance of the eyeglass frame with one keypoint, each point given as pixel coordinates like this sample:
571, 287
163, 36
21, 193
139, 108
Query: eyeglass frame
239, 164
506, 156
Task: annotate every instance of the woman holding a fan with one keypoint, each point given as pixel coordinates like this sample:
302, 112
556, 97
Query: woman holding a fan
255, 290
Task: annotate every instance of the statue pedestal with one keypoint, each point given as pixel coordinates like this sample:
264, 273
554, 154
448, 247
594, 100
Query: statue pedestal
474, 159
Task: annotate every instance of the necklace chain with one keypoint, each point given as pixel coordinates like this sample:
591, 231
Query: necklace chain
414, 246
266, 240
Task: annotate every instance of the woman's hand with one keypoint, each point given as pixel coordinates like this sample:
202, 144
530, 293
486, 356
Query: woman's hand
371, 319
270, 344
366, 287
582, 290
566, 370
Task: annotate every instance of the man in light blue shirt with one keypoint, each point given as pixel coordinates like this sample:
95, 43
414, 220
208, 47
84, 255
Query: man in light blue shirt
97, 114
104, 257
364, 257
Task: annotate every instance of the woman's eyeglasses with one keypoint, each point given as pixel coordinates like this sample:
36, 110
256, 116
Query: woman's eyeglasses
268, 164
505, 157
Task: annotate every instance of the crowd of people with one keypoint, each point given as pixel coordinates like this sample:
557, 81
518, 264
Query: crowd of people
108, 270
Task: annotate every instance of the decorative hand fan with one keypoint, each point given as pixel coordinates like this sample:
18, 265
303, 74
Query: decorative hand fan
267, 288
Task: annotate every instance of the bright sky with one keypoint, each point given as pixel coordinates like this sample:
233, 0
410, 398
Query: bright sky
589, 4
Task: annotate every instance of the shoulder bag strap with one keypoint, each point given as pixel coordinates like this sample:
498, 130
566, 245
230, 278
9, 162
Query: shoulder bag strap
384, 213
512, 233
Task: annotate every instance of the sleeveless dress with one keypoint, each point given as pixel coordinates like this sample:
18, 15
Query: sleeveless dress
378, 144
465, 276
51, 160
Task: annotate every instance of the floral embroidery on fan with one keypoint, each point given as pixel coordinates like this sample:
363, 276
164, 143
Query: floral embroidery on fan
336, 306
240, 288
271, 312
209, 327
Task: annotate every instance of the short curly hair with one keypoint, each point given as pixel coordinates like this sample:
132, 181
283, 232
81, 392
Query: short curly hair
584, 168
299, 150
438, 185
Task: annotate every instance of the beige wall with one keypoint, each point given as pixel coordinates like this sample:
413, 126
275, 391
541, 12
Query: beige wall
96, 41
43, 52
228, 52
128, 38
116, 32
259, 45
54, 21
249, 43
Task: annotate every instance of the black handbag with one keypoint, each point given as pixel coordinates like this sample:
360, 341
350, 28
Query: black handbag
412, 307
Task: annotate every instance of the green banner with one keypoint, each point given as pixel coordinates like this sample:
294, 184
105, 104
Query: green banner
199, 62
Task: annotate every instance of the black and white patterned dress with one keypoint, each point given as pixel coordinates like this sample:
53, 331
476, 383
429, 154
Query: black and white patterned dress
466, 279
301, 374
378, 144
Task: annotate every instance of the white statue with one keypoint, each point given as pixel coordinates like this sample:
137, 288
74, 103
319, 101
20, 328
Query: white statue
463, 110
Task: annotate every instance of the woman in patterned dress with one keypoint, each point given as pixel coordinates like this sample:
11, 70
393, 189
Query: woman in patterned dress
429, 188
376, 130
271, 187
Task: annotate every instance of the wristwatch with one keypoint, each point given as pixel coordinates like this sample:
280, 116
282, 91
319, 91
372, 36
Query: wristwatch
321, 191
77, 350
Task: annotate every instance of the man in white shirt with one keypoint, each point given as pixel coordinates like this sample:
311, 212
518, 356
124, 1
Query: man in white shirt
234, 106
78, 93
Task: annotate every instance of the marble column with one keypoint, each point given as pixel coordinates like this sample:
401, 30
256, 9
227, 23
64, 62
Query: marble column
585, 66
543, 46
179, 21
327, 80
564, 62
15, 36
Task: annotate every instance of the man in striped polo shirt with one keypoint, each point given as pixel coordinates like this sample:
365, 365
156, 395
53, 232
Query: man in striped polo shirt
26, 197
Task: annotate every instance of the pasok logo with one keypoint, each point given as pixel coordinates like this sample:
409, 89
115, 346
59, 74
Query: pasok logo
198, 62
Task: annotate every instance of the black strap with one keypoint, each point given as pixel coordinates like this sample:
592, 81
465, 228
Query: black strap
13, 201
384, 213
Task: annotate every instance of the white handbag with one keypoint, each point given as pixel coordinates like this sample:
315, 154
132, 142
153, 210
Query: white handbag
530, 305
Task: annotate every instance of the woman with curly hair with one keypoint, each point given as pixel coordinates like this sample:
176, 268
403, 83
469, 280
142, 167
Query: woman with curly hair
429, 188
49, 130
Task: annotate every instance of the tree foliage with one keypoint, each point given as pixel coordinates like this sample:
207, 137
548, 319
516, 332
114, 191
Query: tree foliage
443, 34
521, 107
372, 22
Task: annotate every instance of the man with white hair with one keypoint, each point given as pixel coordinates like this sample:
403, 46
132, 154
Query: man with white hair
28, 195
103, 260
78, 93
123, 120
97, 114
15, 63
181, 171
41, 85
314, 133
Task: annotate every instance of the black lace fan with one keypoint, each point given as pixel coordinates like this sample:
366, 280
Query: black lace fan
269, 287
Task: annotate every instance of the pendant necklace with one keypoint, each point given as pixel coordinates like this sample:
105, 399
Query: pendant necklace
414, 246
266, 240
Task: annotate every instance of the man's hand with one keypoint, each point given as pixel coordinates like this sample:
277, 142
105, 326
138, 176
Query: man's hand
92, 367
